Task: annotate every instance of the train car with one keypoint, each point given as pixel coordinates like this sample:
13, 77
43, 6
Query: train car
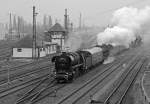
69, 65
96, 56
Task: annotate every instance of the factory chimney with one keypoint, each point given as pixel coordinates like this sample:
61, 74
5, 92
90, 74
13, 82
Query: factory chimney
18, 27
10, 25
80, 21
66, 20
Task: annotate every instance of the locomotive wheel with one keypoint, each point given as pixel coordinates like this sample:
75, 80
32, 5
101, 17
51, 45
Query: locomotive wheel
83, 70
71, 78
58, 81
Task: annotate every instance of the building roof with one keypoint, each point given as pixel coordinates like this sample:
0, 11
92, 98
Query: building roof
57, 28
26, 42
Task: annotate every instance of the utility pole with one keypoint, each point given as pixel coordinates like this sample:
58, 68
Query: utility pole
34, 35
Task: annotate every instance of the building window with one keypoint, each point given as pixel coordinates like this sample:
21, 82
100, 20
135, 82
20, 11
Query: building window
43, 49
53, 48
40, 49
19, 50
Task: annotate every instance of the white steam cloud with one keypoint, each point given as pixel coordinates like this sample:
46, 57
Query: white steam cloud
128, 22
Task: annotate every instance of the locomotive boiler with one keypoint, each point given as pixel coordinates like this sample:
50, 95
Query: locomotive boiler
69, 65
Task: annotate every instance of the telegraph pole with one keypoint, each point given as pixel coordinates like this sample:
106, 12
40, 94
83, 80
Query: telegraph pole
34, 34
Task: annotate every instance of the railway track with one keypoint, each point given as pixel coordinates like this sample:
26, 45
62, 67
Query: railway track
36, 93
33, 93
41, 84
43, 72
119, 89
23, 66
5, 49
21, 86
30, 64
4, 65
5, 55
25, 72
78, 94
18, 76
50, 90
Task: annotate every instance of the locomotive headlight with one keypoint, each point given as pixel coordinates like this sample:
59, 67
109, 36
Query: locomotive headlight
66, 76
54, 72
73, 72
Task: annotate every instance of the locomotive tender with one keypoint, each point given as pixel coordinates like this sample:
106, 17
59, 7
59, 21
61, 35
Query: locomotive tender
69, 65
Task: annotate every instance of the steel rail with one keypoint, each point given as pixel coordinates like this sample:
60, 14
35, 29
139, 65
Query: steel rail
99, 75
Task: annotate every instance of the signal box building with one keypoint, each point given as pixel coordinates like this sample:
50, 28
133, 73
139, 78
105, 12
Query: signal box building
57, 36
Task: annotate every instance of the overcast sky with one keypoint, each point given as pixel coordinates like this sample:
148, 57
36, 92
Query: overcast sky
94, 12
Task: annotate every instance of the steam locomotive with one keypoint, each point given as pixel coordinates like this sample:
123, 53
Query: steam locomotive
137, 42
69, 65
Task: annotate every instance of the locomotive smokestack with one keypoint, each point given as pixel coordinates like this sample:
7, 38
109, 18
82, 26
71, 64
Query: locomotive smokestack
63, 52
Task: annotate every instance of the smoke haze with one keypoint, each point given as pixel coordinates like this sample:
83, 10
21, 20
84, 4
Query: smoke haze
128, 22
82, 39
